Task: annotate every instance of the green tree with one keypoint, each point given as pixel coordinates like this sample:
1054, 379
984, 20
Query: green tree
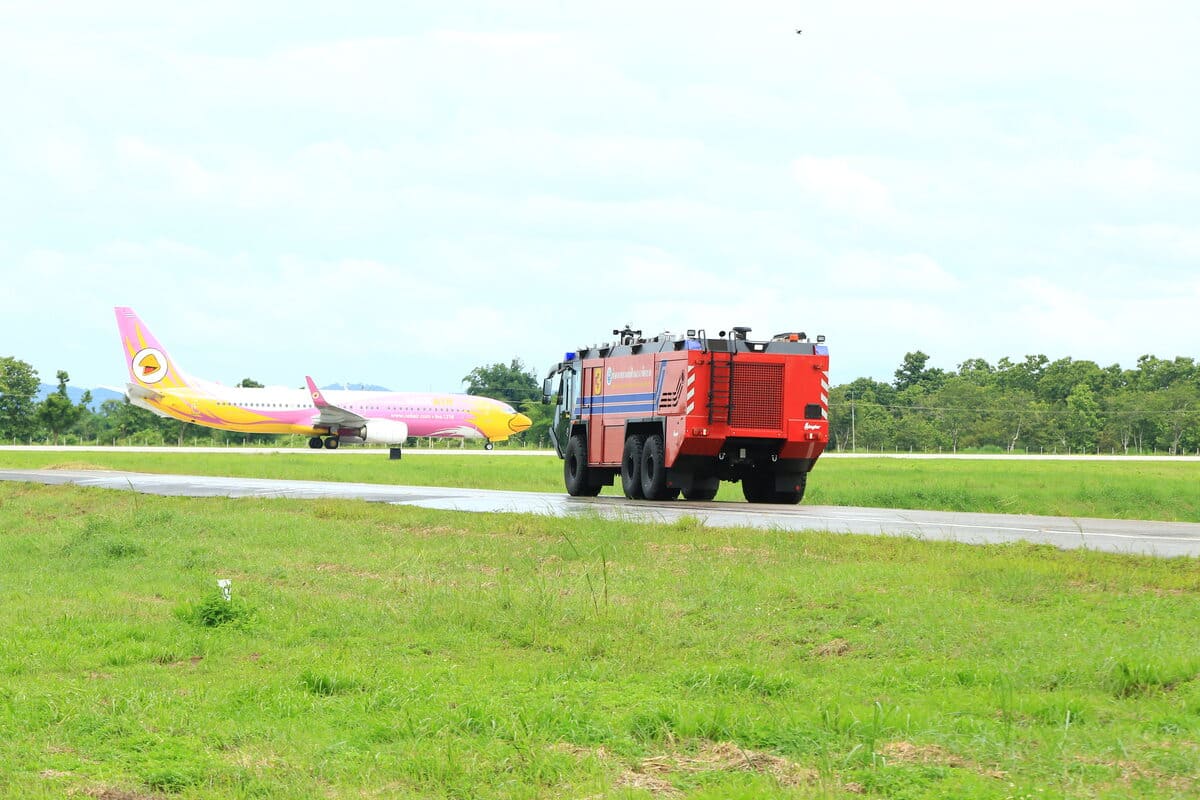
1023, 376
1083, 418
57, 413
913, 372
1179, 411
541, 415
1128, 422
18, 386
873, 426
960, 406
1060, 378
978, 371
512, 383
1155, 373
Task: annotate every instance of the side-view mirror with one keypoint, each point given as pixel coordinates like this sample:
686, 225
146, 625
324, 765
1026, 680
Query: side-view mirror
547, 390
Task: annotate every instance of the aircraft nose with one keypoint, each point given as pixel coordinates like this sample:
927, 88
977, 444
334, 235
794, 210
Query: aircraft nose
519, 422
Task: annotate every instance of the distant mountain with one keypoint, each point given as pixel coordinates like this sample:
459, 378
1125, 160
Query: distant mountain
75, 393
100, 395
357, 387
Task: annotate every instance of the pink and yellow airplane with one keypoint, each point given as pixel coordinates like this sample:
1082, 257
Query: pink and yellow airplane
354, 417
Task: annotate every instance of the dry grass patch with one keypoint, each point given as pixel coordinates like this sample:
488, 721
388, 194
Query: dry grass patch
902, 752
105, 793
651, 783
77, 465
836, 647
1130, 772
728, 757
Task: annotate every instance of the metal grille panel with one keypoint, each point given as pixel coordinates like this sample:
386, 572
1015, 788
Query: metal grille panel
757, 396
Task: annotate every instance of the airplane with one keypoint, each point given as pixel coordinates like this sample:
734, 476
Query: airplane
329, 418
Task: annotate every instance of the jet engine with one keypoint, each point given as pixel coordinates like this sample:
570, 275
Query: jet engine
380, 431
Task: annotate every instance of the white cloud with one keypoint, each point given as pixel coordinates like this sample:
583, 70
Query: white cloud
513, 180
840, 186
875, 273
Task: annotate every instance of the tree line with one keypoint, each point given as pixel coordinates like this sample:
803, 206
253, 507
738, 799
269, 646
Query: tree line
1034, 405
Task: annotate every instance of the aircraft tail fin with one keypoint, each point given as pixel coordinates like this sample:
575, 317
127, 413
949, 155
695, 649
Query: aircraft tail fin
149, 365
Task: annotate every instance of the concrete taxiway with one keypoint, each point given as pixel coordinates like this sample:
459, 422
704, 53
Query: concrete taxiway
1120, 536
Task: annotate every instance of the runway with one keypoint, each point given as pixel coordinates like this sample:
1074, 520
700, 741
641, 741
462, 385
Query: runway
1164, 539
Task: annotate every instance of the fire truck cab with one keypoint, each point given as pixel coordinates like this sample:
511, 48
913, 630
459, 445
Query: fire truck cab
678, 414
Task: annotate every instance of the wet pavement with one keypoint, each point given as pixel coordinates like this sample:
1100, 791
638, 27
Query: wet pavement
1121, 536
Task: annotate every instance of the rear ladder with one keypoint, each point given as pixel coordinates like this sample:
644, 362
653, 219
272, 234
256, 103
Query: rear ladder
720, 387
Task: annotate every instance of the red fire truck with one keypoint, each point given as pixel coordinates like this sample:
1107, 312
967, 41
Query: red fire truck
681, 413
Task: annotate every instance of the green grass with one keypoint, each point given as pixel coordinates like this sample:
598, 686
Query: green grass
377, 651
1112, 489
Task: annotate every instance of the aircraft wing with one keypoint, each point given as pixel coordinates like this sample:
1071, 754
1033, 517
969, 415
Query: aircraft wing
329, 414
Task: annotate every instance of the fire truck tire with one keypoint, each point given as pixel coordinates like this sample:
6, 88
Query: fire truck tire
699, 494
791, 497
631, 467
575, 469
654, 470
758, 487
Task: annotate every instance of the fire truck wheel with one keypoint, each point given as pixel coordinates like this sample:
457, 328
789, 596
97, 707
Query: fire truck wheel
699, 494
654, 470
575, 469
791, 497
758, 487
631, 467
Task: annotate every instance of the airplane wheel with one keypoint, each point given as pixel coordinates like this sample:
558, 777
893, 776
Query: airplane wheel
315, 443
488, 446
331, 443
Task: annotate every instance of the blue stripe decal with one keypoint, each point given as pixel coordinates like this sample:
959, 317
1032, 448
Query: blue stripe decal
630, 403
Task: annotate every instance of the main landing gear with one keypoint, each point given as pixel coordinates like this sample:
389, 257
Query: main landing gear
488, 446
330, 443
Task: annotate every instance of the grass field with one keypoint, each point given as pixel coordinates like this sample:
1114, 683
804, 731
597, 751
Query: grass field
376, 651
1122, 490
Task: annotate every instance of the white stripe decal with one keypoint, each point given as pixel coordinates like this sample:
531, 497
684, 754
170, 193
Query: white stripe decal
690, 407
824, 385
825, 400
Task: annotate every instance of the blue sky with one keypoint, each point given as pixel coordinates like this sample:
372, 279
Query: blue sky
395, 196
